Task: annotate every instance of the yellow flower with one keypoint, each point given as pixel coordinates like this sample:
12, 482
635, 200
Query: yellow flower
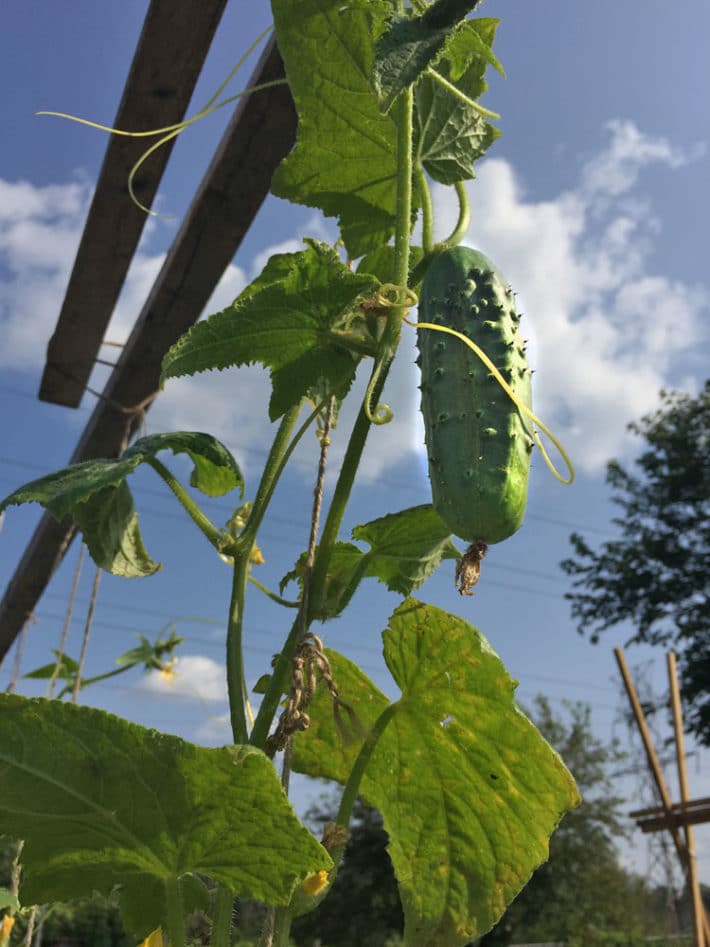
315, 883
6, 926
167, 673
256, 557
153, 940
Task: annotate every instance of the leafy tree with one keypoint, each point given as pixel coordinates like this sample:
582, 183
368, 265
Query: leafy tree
657, 574
582, 888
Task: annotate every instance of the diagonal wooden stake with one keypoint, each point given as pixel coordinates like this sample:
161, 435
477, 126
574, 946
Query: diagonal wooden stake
656, 771
693, 883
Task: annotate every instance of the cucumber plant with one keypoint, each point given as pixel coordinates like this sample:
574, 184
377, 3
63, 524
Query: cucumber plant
388, 100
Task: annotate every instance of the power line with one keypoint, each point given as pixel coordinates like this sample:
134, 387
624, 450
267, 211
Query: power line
396, 484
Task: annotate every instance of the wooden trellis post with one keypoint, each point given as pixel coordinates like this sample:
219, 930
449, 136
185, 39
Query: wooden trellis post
670, 816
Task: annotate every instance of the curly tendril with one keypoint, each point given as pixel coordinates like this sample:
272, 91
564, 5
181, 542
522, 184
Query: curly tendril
172, 131
382, 414
389, 295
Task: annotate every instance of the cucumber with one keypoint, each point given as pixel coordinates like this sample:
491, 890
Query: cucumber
478, 444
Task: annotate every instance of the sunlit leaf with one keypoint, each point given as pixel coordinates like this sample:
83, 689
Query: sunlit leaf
344, 161
411, 44
102, 802
405, 549
293, 319
450, 135
96, 495
468, 789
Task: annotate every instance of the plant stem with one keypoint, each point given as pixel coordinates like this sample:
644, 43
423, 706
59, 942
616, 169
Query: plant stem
462, 224
461, 96
427, 210
270, 475
279, 454
278, 684
390, 338
176, 916
403, 211
453, 240
236, 681
352, 787
272, 595
203, 523
222, 918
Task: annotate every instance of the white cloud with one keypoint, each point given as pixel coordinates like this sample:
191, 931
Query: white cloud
616, 170
195, 676
215, 730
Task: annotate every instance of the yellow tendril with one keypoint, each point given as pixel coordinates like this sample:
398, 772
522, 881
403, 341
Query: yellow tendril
172, 131
382, 413
523, 408
388, 295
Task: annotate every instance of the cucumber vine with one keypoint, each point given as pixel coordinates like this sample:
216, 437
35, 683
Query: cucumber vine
388, 101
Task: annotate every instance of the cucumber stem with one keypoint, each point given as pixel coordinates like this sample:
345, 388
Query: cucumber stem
203, 523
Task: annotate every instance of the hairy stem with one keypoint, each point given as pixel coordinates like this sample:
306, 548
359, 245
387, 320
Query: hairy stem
427, 209
462, 224
272, 595
176, 916
278, 684
390, 338
453, 240
279, 456
461, 96
203, 523
222, 918
236, 681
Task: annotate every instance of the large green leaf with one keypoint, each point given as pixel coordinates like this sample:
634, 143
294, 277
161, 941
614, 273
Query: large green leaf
468, 789
450, 135
405, 549
411, 44
96, 495
344, 161
8, 900
292, 319
102, 802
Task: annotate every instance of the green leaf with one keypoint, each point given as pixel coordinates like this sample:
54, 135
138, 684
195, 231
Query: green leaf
380, 262
405, 549
344, 161
468, 789
67, 669
473, 44
450, 135
109, 524
100, 801
8, 900
294, 319
412, 44
96, 495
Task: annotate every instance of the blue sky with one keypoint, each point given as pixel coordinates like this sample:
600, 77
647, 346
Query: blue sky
594, 203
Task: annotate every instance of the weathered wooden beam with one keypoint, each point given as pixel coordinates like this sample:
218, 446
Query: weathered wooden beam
166, 65
675, 808
674, 820
259, 135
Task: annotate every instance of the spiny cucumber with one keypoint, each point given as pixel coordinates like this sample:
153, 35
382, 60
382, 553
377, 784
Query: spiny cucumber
478, 444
